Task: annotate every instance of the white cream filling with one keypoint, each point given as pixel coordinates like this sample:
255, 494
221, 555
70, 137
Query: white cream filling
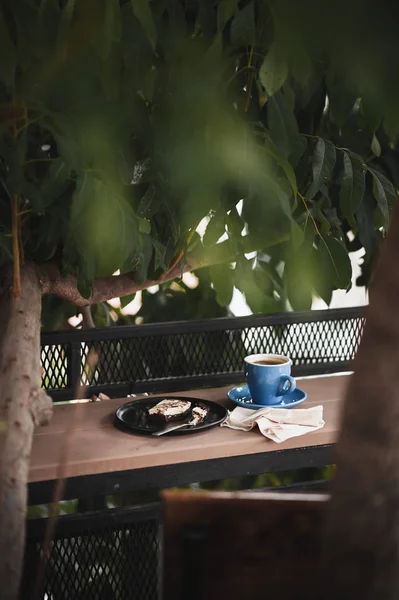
199, 414
169, 407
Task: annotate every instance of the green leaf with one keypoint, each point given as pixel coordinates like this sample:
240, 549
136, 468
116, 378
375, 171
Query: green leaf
389, 188
142, 10
299, 291
234, 223
325, 225
85, 279
222, 280
283, 163
8, 54
284, 195
322, 166
102, 224
335, 262
57, 173
215, 229
160, 255
324, 283
378, 219
176, 14
206, 17
111, 73
352, 187
341, 96
275, 280
299, 274
145, 259
257, 287
282, 124
371, 114
274, 71
66, 18
145, 226
194, 241
16, 164
300, 65
136, 49
34, 195
149, 203
298, 150
56, 181
215, 51
297, 235
364, 218
375, 146
391, 123
148, 85
101, 314
46, 28
289, 96
392, 165
226, 10
243, 30
125, 300
384, 193
261, 299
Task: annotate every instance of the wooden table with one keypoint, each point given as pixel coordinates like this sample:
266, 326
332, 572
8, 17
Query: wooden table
104, 460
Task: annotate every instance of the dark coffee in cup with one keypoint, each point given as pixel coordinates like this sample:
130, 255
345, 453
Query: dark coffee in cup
270, 361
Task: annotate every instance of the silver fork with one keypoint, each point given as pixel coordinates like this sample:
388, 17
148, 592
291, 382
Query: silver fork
191, 422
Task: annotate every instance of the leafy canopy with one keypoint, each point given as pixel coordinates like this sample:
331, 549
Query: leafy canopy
123, 126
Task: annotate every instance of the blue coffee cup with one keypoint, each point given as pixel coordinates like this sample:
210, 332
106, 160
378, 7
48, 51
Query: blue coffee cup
268, 378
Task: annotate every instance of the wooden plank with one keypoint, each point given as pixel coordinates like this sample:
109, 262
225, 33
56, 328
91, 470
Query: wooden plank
98, 447
239, 545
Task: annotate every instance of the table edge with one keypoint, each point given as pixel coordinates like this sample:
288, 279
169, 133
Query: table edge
41, 492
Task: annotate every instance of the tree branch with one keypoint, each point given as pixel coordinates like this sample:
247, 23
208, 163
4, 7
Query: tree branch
41, 407
117, 286
87, 318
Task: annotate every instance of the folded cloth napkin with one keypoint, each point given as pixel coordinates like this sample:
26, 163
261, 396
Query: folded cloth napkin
278, 424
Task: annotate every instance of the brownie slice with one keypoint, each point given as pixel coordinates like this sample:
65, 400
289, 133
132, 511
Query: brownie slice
170, 409
199, 414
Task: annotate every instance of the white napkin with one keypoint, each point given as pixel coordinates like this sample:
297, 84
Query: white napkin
278, 424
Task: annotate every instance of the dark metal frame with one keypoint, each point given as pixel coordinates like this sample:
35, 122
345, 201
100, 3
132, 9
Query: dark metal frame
97, 519
73, 341
182, 474
133, 564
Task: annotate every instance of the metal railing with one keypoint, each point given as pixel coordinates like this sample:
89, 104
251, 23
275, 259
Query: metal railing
174, 356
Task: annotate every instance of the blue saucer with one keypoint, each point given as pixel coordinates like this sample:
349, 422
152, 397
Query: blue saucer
241, 395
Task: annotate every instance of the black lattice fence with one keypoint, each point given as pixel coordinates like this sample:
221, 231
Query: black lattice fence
109, 555
183, 355
55, 365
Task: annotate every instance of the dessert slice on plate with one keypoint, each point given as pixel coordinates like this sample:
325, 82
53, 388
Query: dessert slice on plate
170, 409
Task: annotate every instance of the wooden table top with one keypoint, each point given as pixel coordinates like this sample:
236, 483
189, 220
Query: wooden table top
96, 446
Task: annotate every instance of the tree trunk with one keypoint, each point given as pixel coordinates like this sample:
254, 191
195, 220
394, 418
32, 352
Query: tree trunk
362, 531
22, 406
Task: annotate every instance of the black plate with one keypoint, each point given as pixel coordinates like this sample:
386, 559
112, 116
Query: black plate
134, 416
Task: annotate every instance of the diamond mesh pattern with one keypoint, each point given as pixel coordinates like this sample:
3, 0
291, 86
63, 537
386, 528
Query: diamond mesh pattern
169, 354
118, 563
213, 352
54, 361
